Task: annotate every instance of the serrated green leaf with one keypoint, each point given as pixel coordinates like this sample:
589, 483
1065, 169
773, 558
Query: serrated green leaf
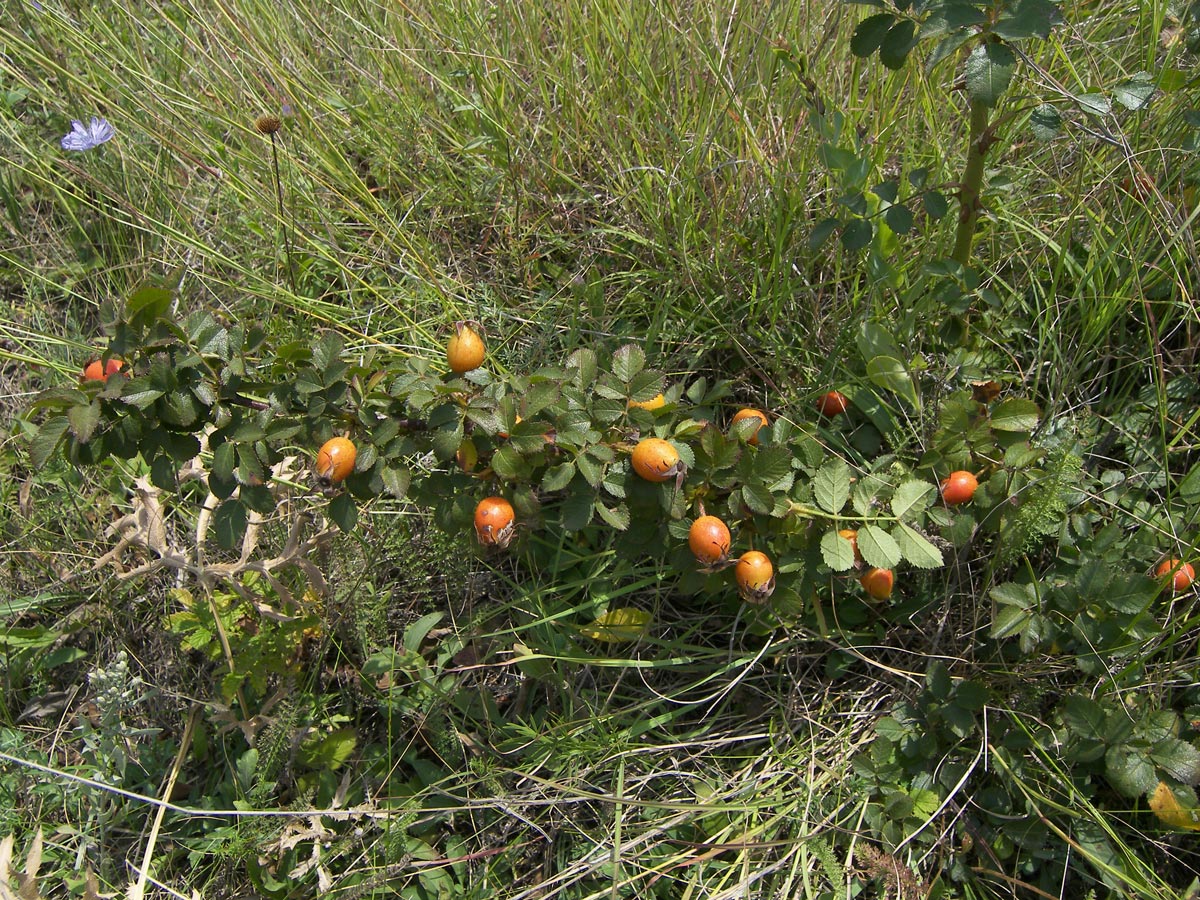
628, 361
229, 523
258, 497
758, 498
989, 70
539, 396
837, 551
147, 304
396, 481
344, 512
58, 398
577, 507
590, 469
208, 337
898, 218
912, 498
1016, 414
619, 625
1135, 92
1129, 771
330, 752
616, 516
971, 695
938, 681
870, 32
646, 385
891, 374
898, 43
822, 232
831, 486
1085, 717
446, 441
84, 419
1177, 758
224, 460
559, 476
609, 391
327, 351
936, 204
141, 399
887, 190
586, 366
1009, 621
1094, 104
508, 463
180, 408
1028, 19
857, 234
162, 474
1046, 122
915, 548
1021, 596
878, 548
772, 463
47, 439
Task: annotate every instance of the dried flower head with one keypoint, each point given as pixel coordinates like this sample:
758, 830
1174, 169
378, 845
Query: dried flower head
83, 137
267, 124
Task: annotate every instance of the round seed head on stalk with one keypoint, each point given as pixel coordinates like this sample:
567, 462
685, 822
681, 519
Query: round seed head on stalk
268, 124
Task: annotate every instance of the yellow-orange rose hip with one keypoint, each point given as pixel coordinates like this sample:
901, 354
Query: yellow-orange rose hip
656, 460
833, 403
709, 540
1183, 575
878, 583
335, 460
495, 522
98, 370
958, 487
465, 350
755, 576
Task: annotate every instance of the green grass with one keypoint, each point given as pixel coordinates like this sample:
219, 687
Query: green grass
582, 174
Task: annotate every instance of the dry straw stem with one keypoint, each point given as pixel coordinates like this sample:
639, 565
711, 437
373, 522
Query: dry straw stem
137, 890
144, 527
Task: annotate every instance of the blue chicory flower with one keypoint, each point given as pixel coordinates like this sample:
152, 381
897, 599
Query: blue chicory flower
86, 137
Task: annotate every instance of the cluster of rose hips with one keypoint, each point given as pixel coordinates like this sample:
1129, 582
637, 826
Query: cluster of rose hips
653, 459
656, 460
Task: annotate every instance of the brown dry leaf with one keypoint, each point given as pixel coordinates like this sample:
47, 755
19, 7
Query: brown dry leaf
984, 391
6, 852
33, 861
91, 885
27, 888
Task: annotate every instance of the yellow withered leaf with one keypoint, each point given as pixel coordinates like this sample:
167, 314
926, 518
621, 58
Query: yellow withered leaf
617, 625
1165, 805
